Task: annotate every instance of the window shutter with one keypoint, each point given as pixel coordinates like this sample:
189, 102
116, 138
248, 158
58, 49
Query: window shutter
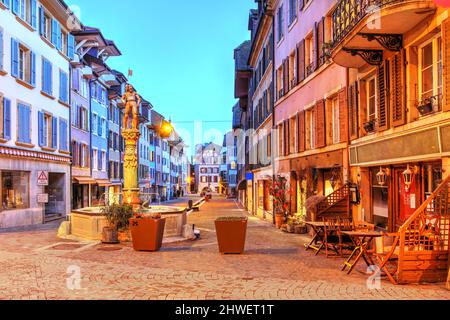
446, 63
321, 41
63, 88
6, 118
99, 127
54, 37
41, 129
301, 131
62, 135
70, 46
316, 46
15, 7
7, 3
343, 115
54, 133
301, 61
32, 68
14, 57
1, 49
41, 21
76, 79
59, 37
353, 110
33, 13
383, 122
286, 137
27, 132
320, 124
398, 88
99, 160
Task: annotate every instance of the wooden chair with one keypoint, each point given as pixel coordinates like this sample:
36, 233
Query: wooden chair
345, 242
387, 252
331, 235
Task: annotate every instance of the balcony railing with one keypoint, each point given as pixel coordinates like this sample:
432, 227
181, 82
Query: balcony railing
349, 13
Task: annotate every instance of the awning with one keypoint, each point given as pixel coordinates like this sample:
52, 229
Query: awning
104, 183
84, 180
242, 185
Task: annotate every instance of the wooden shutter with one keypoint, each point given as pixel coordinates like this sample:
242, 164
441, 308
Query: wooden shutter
353, 111
301, 61
316, 45
320, 124
446, 63
41, 21
6, 119
33, 13
383, 120
32, 68
301, 131
398, 102
295, 66
321, 41
40, 129
343, 115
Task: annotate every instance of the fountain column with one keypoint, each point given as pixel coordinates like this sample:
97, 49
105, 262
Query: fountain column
130, 168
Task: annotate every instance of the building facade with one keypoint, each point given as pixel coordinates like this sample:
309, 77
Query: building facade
207, 167
36, 50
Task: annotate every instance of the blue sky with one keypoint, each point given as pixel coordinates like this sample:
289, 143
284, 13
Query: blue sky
181, 53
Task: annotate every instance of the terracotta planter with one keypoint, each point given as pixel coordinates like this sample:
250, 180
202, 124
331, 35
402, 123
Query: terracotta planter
231, 234
279, 220
110, 236
147, 233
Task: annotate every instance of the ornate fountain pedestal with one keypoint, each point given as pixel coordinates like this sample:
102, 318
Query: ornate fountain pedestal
130, 167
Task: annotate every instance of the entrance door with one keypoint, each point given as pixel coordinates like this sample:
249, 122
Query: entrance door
56, 206
407, 200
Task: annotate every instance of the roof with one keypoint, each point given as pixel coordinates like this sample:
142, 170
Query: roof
241, 55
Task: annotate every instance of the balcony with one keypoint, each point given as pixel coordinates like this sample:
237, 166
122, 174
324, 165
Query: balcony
110, 79
364, 29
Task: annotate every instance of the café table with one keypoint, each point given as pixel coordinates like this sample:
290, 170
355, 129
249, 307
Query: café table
317, 243
361, 240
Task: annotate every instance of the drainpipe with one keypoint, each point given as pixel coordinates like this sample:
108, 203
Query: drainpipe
90, 142
69, 126
272, 153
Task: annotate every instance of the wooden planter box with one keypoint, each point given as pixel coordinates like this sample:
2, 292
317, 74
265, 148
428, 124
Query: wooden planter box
147, 233
425, 109
231, 234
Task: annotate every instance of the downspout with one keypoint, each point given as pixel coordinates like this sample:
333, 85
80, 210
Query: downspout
69, 126
90, 142
272, 153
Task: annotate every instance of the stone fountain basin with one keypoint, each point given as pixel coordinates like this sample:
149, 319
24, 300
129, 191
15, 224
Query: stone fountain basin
88, 223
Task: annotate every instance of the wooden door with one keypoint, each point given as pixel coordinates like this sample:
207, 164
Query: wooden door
406, 201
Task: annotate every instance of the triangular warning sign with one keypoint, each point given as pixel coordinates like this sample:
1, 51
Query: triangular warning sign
43, 176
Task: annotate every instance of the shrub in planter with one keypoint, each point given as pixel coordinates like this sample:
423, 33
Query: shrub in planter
117, 216
147, 233
231, 233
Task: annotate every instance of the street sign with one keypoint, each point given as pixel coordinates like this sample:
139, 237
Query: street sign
42, 198
42, 180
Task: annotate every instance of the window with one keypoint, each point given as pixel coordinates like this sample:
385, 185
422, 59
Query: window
102, 164
15, 190
311, 128
95, 159
48, 127
47, 78
23, 123
1, 50
84, 156
63, 87
5, 118
292, 11
280, 26
309, 54
203, 179
431, 72
335, 123
94, 123
63, 135
371, 99
45, 23
26, 10
23, 62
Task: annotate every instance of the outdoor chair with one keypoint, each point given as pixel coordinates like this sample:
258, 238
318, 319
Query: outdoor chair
386, 252
345, 241
331, 236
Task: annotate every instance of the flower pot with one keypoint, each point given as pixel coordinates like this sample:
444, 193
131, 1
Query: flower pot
110, 235
301, 229
147, 233
231, 234
279, 220
290, 228
124, 236
425, 109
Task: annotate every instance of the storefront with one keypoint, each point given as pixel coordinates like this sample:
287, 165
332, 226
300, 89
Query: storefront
262, 200
33, 187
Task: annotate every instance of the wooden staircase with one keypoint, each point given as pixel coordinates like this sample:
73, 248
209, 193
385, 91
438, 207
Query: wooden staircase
336, 204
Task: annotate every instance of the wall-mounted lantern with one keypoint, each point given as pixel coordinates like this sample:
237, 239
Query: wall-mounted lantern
409, 175
382, 176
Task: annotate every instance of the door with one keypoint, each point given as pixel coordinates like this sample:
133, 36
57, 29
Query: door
56, 206
407, 200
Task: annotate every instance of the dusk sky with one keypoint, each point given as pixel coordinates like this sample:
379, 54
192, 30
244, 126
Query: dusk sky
181, 53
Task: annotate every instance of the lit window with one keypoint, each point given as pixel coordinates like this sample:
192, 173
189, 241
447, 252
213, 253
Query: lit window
371, 99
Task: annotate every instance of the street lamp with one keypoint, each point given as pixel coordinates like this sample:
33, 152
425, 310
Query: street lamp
382, 176
165, 130
408, 176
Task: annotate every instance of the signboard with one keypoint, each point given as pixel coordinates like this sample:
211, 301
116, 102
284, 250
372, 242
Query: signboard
42, 180
42, 198
249, 176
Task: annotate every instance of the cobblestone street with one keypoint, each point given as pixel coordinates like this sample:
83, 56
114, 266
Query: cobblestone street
37, 265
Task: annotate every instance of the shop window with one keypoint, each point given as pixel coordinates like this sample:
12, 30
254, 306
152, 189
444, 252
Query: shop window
380, 202
15, 190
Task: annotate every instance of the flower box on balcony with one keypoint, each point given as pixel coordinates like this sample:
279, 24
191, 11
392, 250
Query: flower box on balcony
369, 126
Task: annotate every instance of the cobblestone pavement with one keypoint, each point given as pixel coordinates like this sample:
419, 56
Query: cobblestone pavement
37, 265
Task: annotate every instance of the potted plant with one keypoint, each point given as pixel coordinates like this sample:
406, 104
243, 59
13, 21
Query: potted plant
290, 228
147, 232
117, 216
280, 193
426, 106
300, 226
231, 233
369, 126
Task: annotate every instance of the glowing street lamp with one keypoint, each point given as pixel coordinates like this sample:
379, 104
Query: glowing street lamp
165, 130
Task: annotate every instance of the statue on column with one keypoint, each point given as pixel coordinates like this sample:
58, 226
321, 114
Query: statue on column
132, 100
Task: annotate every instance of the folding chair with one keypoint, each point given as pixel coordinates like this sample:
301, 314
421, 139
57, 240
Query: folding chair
387, 254
331, 235
345, 242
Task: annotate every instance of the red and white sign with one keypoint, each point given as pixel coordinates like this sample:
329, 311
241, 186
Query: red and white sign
42, 180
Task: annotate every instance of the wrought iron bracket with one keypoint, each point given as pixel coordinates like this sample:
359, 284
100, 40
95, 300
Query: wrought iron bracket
391, 42
372, 57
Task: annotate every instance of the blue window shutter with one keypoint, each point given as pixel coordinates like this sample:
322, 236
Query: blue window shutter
15, 6
99, 94
14, 58
41, 129
44, 75
20, 123
61, 86
61, 135
50, 77
27, 124
99, 127
7, 3
70, 46
54, 38
33, 13
59, 35
41, 21
33, 68
54, 133
6, 118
